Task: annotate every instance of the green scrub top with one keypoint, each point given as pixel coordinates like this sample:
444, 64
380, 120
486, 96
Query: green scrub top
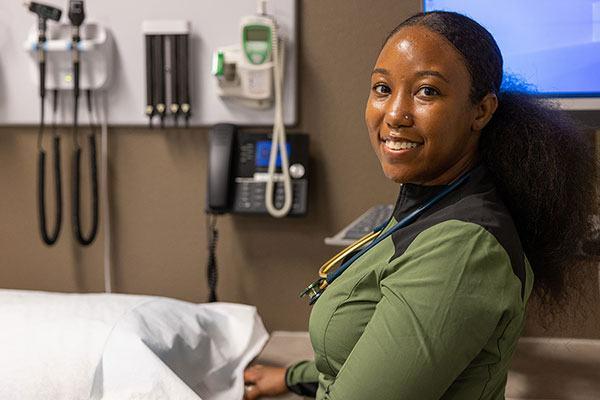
432, 312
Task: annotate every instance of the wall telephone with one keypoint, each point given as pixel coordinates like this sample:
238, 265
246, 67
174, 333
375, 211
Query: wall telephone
237, 171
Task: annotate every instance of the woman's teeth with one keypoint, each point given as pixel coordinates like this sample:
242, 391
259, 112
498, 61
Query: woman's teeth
395, 145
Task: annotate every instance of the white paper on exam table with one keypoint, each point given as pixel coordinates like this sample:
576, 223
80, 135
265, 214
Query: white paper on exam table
99, 346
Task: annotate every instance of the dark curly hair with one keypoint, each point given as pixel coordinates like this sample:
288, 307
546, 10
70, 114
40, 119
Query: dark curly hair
544, 165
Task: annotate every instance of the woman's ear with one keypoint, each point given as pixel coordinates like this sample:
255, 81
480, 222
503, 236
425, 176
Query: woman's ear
484, 112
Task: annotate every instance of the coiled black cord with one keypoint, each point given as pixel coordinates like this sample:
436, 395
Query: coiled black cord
85, 240
211, 268
49, 238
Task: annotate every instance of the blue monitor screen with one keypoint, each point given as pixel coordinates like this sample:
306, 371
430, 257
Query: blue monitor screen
263, 151
553, 45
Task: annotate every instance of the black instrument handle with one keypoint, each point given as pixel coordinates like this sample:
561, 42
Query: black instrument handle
159, 77
42, 66
76, 75
184, 79
175, 105
75, 94
150, 100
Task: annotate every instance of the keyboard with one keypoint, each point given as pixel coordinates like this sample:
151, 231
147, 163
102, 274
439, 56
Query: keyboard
362, 225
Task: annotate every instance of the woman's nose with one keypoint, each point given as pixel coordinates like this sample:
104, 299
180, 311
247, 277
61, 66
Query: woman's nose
398, 112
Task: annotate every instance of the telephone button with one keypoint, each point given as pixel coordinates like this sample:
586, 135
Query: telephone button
297, 171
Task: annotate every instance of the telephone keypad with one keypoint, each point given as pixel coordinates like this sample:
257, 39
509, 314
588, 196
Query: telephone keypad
250, 197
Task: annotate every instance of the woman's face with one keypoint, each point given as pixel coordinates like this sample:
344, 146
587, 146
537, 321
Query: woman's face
419, 114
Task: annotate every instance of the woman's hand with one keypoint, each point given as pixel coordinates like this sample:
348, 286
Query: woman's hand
262, 380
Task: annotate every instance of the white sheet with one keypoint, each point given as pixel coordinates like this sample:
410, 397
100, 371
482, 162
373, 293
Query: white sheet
99, 346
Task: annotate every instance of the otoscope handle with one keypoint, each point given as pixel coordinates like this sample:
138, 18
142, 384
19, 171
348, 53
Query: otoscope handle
44, 13
76, 73
42, 55
42, 29
42, 68
76, 12
76, 17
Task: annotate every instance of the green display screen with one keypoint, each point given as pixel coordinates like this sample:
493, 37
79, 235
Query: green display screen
257, 34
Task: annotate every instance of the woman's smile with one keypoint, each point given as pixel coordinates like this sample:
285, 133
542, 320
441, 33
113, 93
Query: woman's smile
393, 147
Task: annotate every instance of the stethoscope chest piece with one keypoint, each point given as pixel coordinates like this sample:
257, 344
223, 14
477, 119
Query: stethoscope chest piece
314, 290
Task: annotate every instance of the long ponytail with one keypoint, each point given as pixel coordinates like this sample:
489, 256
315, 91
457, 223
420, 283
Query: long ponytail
544, 167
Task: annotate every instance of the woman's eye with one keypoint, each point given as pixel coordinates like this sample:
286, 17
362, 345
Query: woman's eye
380, 88
428, 91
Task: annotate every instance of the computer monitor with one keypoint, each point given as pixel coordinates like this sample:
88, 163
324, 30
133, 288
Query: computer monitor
553, 45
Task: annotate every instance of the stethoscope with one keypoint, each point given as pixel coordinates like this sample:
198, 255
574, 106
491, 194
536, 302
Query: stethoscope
315, 289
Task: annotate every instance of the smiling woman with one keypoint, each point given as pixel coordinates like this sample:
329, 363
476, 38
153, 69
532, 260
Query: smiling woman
422, 124
433, 307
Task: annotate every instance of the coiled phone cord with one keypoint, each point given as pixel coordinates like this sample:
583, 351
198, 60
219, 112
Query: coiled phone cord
51, 238
278, 142
212, 235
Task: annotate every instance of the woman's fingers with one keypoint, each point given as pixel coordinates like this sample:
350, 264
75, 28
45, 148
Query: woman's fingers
252, 376
262, 380
251, 392
253, 373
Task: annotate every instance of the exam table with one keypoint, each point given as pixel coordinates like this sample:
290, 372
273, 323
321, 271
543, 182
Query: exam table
99, 346
541, 369
119, 346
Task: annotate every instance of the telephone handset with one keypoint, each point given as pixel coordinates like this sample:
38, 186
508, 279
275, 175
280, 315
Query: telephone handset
237, 171
220, 156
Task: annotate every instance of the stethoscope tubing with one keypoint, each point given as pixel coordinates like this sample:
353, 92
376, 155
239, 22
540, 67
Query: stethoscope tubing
401, 224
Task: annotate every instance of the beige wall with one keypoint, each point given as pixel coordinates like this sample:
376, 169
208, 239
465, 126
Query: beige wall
158, 188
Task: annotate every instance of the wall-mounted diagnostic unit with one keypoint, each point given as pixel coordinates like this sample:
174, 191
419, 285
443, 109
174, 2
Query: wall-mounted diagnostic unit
114, 57
94, 48
244, 71
67, 57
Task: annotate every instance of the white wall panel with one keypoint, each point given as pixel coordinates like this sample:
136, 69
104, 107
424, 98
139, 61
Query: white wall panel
214, 23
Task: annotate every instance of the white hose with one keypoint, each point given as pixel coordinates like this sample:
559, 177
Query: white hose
105, 196
279, 139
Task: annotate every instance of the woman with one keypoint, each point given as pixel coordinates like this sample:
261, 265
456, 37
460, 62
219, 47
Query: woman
435, 309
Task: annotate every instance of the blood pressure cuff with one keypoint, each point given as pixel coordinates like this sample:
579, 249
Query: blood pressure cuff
303, 378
